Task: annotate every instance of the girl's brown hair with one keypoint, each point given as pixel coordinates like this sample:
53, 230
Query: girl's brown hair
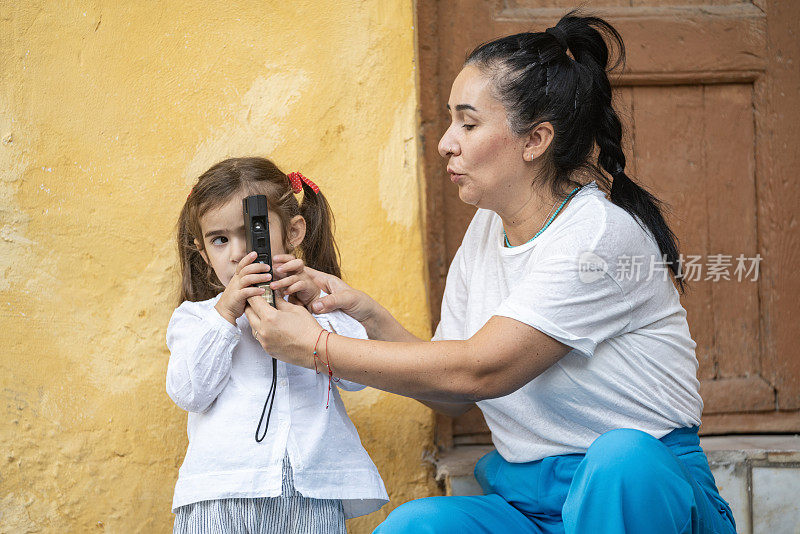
251, 176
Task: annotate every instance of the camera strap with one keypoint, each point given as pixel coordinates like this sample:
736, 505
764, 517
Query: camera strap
269, 401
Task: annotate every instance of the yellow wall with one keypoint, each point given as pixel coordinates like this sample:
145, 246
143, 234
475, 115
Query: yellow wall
108, 111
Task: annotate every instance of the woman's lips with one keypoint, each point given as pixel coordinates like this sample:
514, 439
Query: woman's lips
455, 177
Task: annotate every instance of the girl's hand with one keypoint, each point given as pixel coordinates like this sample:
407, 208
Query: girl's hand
233, 300
295, 280
289, 332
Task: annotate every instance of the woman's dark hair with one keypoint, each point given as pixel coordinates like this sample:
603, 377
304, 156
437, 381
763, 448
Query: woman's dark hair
243, 177
561, 76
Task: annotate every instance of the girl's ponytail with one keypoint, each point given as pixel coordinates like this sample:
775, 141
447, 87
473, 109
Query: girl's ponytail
319, 247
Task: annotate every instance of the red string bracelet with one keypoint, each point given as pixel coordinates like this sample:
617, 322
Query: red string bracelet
315, 350
328, 359
330, 371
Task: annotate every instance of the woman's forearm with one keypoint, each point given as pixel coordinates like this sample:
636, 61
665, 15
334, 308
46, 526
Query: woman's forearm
384, 327
440, 371
501, 357
381, 325
392, 330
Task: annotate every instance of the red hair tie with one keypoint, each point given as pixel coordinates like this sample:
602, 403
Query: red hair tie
295, 179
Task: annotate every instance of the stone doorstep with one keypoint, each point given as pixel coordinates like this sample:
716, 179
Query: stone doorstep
455, 467
758, 475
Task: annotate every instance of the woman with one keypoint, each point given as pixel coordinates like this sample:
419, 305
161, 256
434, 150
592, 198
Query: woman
586, 378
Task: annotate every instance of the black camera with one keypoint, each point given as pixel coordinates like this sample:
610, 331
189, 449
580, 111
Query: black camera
256, 229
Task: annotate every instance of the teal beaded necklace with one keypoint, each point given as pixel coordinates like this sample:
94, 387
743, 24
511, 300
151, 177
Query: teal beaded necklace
546, 224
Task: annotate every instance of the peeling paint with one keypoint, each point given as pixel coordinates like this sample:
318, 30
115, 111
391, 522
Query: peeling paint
399, 185
257, 125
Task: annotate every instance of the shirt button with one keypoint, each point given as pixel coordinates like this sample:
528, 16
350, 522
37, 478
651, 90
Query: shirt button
283, 383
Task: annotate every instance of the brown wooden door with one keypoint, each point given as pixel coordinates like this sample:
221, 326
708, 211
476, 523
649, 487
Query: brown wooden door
711, 101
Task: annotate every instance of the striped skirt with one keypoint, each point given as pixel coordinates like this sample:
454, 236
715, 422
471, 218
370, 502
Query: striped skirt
291, 513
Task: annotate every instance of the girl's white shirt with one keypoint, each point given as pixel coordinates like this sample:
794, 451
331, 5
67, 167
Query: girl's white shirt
221, 375
595, 281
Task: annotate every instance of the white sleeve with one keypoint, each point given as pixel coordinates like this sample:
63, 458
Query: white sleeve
454, 301
201, 344
344, 325
579, 311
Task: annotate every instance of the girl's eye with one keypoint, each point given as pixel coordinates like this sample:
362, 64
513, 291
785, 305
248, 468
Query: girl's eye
219, 240
468, 127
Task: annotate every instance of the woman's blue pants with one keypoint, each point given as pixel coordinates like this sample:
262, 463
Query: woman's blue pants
627, 482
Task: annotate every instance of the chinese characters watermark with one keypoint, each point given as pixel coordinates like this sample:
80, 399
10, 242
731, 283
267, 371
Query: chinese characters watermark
713, 267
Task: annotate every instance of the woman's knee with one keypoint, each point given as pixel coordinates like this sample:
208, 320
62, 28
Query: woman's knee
420, 515
624, 473
627, 452
440, 515
623, 442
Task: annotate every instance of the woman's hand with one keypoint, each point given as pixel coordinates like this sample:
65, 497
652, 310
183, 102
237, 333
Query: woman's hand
295, 280
341, 296
241, 287
378, 322
289, 332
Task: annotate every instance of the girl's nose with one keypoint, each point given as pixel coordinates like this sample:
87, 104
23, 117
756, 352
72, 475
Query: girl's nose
447, 145
238, 250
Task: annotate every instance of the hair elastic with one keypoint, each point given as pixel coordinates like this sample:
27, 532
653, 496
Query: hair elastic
559, 36
296, 180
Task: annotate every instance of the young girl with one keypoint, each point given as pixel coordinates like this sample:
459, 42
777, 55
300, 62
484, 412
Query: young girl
307, 471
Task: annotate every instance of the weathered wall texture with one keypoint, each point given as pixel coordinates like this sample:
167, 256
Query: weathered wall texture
108, 111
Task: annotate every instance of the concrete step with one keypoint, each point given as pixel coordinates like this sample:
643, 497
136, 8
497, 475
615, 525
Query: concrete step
759, 476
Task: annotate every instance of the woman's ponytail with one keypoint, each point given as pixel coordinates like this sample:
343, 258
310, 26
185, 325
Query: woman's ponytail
561, 76
633, 198
624, 191
319, 247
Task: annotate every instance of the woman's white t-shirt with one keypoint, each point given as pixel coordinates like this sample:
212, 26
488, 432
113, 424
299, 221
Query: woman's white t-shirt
595, 281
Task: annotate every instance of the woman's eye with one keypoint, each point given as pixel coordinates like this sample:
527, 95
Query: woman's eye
219, 240
468, 127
